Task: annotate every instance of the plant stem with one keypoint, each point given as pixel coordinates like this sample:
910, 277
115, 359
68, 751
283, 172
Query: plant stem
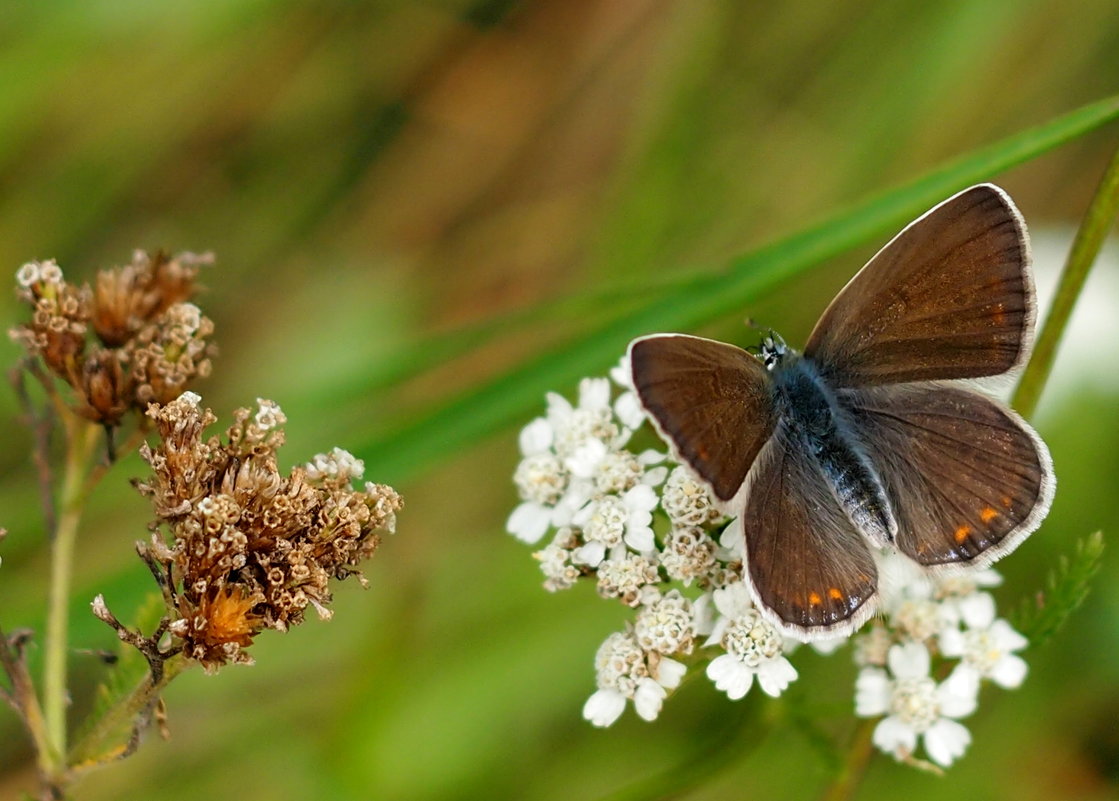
81, 440
131, 711
99, 470
23, 695
850, 776
1089, 239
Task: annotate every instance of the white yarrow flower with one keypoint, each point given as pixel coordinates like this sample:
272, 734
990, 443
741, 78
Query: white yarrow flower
918, 618
666, 624
986, 647
686, 500
753, 647
613, 519
623, 575
626, 672
916, 706
28, 274
591, 419
556, 562
689, 554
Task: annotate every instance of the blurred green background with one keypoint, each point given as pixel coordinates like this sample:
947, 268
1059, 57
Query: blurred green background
455, 185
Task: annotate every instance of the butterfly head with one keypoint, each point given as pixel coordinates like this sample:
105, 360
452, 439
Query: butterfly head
773, 350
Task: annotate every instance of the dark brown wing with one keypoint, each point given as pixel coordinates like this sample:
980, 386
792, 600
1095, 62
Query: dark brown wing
710, 401
807, 564
967, 478
951, 296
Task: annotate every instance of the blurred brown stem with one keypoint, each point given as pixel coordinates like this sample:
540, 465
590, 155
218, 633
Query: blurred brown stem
22, 697
41, 426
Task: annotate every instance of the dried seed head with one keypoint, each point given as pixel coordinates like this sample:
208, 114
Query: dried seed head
104, 387
171, 351
247, 547
59, 317
150, 343
127, 298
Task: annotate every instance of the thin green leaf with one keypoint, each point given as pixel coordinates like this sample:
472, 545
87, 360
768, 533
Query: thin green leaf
1066, 587
433, 350
407, 449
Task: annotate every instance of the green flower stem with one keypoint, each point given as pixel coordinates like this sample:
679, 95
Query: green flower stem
855, 763
101, 743
1089, 239
82, 438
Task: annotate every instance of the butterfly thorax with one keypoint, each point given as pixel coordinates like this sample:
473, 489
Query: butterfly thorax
814, 420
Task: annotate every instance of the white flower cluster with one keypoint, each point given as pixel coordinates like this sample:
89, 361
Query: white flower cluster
648, 533
579, 483
950, 619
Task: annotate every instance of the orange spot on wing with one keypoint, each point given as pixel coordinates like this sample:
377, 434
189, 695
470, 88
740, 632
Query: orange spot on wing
1000, 313
1006, 501
835, 594
962, 533
987, 514
703, 453
814, 599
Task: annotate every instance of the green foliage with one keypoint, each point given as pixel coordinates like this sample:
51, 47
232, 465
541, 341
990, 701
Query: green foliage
1042, 615
127, 671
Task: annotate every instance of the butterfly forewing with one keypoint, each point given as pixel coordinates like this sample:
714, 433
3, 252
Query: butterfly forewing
968, 479
808, 565
949, 297
711, 401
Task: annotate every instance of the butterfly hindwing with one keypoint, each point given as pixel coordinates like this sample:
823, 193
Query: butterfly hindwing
968, 479
951, 296
711, 401
808, 565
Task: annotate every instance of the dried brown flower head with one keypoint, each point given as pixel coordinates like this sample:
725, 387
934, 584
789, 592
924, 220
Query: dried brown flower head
126, 299
59, 317
131, 340
241, 547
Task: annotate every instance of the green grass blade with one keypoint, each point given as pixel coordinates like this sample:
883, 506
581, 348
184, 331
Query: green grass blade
447, 427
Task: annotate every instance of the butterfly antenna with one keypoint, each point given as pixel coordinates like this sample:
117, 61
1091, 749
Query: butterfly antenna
754, 325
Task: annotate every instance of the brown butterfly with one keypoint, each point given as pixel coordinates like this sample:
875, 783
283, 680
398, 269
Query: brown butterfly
868, 439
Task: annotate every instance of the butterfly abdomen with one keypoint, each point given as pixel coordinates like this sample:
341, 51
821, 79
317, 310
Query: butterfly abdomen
815, 422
